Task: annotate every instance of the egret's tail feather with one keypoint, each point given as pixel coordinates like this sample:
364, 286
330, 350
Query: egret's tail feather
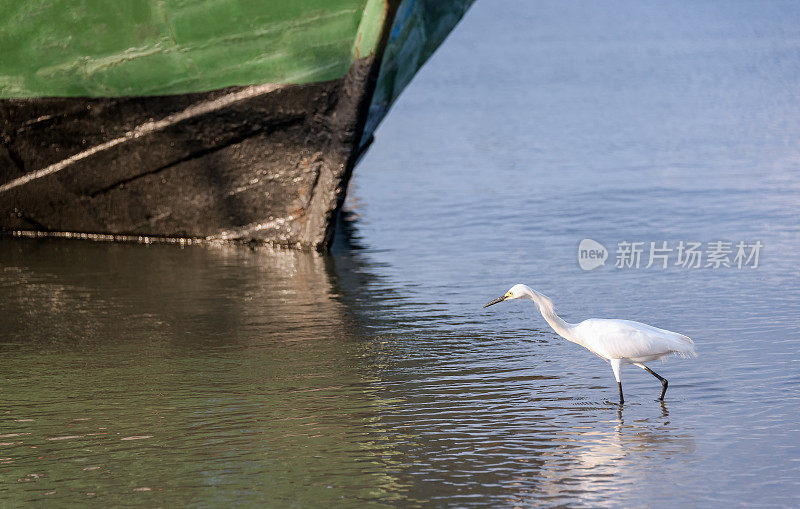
686, 347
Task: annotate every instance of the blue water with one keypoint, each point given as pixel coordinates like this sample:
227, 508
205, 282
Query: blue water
155, 375
538, 125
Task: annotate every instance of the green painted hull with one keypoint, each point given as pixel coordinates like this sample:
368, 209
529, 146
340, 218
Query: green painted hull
102, 48
215, 120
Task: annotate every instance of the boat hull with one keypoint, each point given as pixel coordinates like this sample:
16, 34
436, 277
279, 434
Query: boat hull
264, 162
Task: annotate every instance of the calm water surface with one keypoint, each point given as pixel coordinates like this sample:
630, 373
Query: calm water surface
156, 375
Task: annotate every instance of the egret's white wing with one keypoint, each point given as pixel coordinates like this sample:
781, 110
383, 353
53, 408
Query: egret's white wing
624, 339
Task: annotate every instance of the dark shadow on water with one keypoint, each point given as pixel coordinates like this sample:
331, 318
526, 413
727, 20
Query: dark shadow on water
72, 293
191, 373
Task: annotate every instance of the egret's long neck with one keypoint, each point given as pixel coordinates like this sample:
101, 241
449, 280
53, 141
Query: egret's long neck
545, 305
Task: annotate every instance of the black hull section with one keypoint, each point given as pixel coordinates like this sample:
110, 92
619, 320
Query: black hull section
253, 164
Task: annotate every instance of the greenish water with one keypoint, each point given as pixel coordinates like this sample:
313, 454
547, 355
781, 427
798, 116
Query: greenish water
132, 370
160, 376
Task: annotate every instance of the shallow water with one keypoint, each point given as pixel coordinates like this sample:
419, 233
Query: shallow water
157, 375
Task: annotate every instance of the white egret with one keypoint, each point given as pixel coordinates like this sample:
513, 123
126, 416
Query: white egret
619, 342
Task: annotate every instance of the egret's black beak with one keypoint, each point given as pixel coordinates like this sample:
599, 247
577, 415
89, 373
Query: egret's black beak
495, 301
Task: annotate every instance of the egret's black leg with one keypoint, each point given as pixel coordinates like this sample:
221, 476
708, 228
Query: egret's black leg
664, 382
621, 398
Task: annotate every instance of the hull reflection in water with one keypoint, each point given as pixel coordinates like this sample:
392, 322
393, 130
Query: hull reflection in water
164, 375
